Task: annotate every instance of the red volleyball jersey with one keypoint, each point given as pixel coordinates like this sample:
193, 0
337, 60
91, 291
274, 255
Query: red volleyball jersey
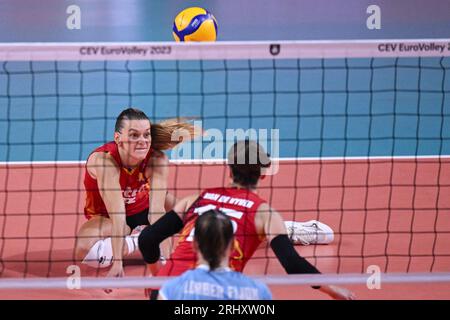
135, 186
241, 206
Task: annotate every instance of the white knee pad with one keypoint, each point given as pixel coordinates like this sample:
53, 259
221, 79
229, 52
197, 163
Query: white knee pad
100, 255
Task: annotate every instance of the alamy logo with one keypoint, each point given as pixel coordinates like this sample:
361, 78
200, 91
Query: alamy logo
74, 19
374, 280
373, 22
215, 144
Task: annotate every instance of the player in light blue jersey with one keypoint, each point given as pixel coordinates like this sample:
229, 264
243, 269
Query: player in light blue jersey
212, 279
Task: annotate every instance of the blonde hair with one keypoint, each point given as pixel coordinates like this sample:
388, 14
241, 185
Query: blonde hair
169, 133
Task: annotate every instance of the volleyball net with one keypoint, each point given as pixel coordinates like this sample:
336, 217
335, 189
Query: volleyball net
360, 131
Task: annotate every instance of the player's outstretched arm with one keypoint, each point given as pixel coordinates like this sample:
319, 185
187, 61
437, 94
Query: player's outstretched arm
270, 223
108, 174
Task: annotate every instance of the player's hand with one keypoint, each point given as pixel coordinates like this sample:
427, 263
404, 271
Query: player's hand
116, 271
338, 293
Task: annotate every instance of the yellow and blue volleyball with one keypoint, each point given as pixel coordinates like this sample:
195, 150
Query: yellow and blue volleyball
195, 24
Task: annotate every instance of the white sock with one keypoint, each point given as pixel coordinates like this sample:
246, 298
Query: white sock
132, 242
101, 255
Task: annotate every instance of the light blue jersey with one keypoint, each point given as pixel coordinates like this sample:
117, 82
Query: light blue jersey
220, 284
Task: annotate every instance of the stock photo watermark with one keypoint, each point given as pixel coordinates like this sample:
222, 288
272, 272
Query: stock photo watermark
374, 280
74, 279
373, 22
73, 21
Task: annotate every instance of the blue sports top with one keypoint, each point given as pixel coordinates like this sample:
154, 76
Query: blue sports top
220, 284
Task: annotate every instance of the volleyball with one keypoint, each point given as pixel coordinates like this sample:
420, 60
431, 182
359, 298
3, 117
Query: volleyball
195, 24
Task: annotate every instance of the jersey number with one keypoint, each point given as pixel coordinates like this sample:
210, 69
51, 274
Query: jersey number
228, 212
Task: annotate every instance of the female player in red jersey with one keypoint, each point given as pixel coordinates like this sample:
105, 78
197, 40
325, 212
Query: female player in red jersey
126, 187
253, 219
